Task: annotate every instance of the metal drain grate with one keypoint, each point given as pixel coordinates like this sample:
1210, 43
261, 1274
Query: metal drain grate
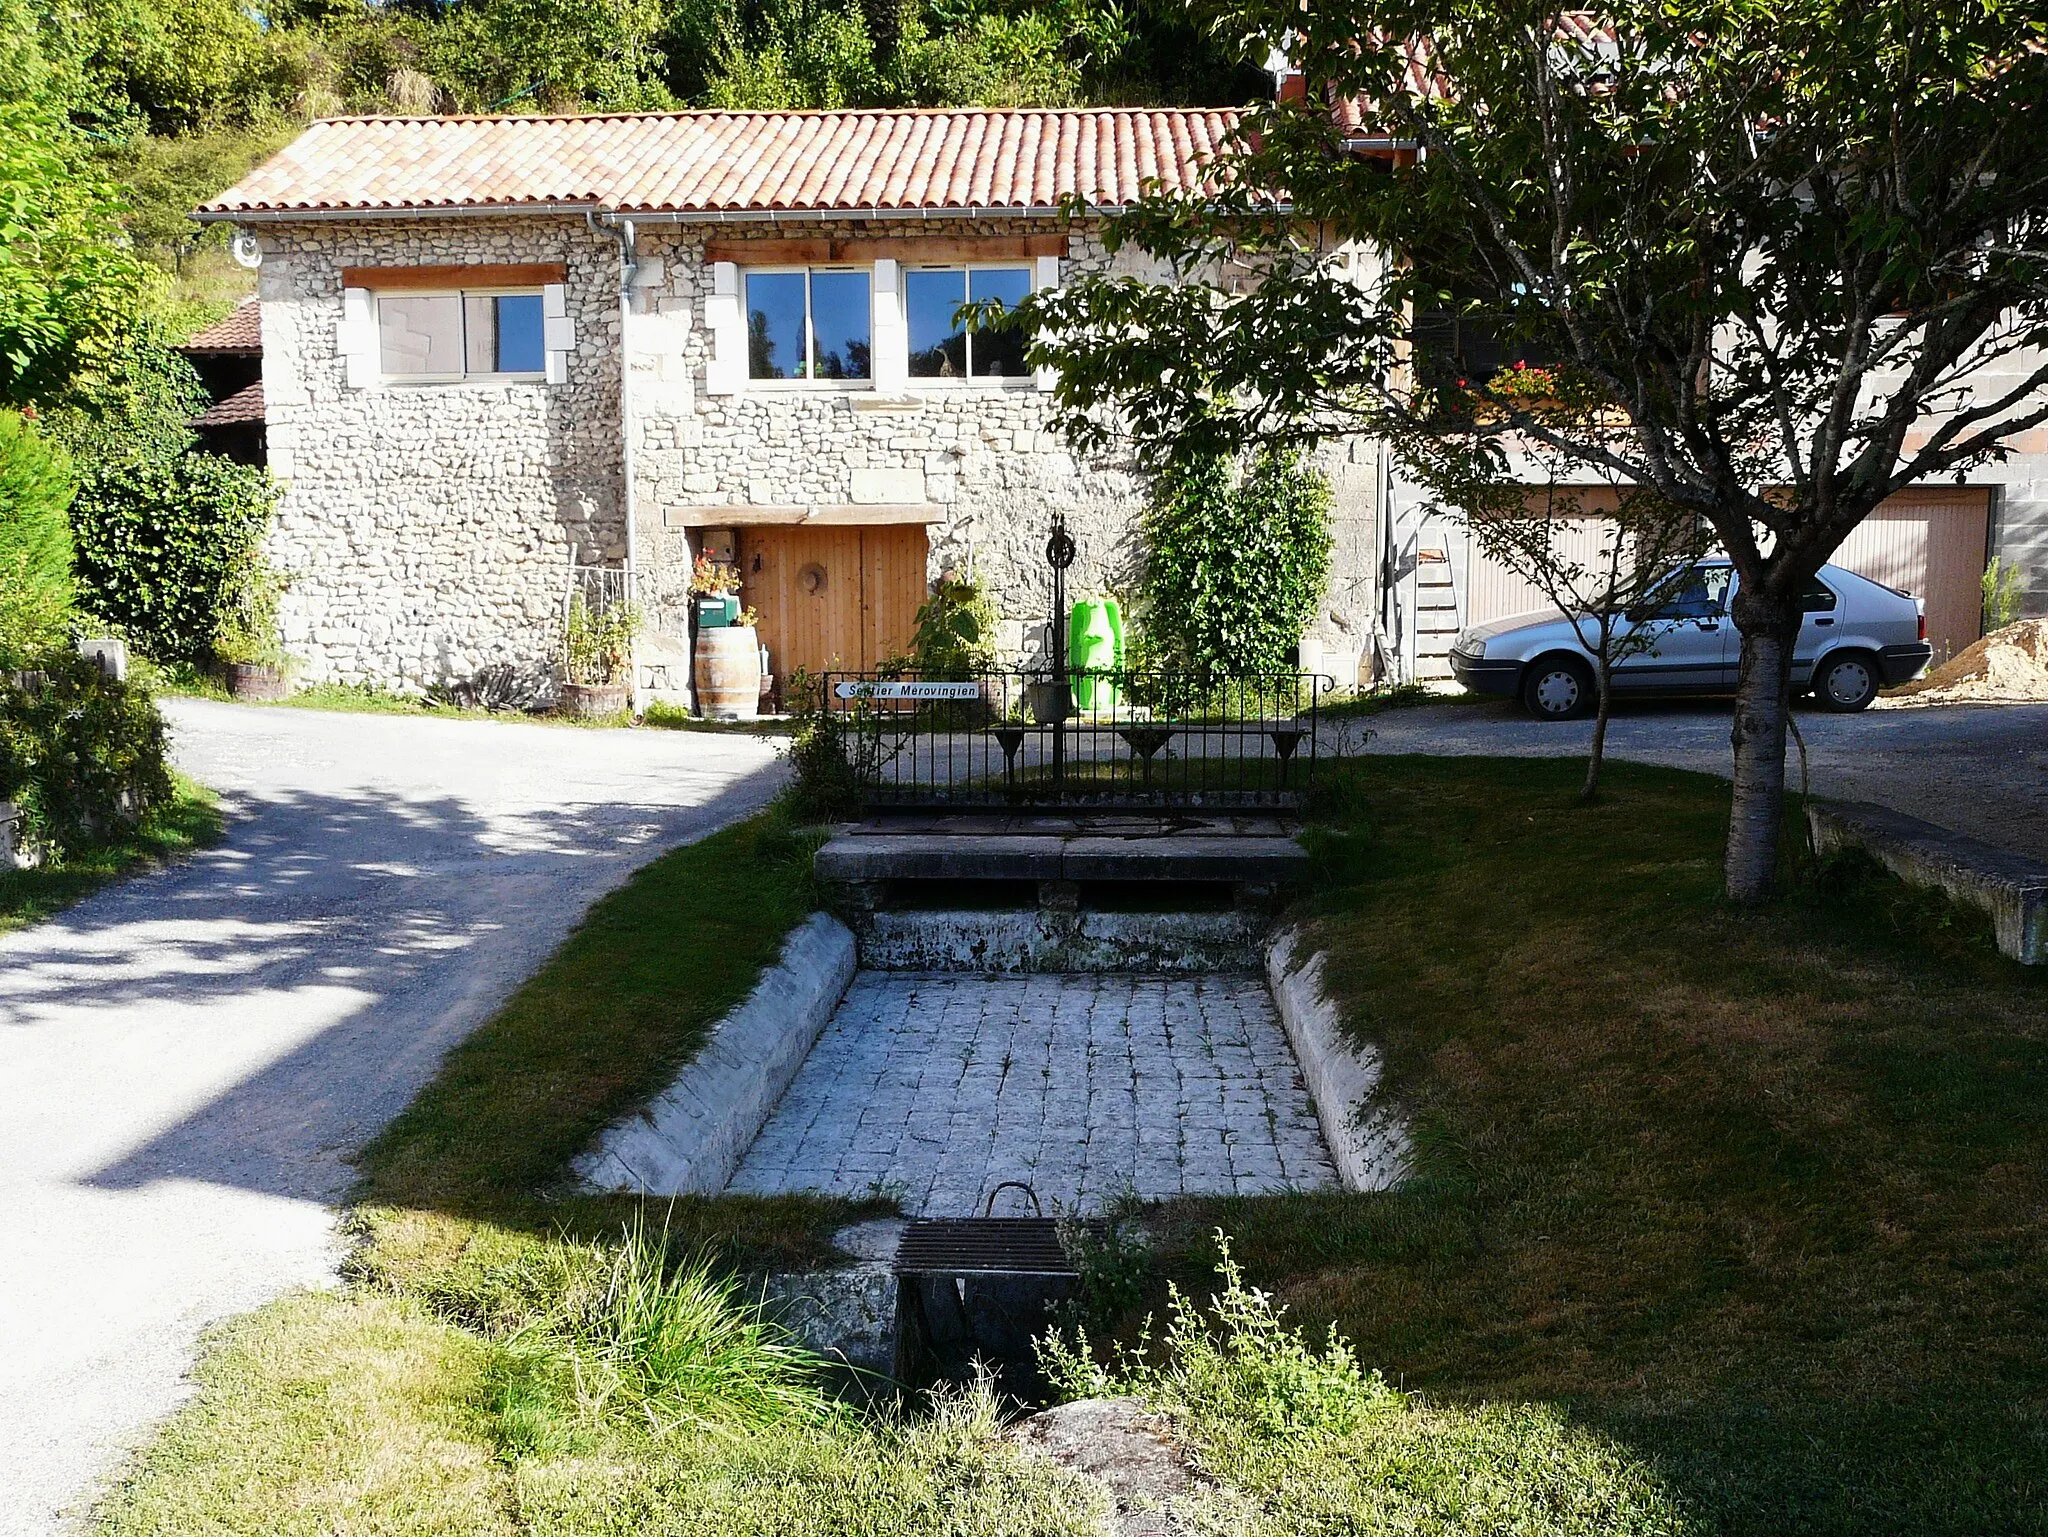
990, 1246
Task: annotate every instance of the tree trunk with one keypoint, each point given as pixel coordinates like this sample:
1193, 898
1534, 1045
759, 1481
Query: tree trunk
1763, 697
1603, 674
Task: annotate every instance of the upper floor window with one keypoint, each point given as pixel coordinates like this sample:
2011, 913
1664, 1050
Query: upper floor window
940, 348
463, 335
810, 323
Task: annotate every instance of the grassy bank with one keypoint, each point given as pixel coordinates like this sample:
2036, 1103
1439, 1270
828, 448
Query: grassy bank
191, 820
1761, 1195
1722, 1222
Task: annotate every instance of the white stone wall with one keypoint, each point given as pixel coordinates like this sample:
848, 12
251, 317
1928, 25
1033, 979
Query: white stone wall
984, 457
427, 528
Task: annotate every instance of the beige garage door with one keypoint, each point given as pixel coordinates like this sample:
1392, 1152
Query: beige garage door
1930, 541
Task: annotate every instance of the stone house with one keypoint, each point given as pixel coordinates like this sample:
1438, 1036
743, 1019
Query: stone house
500, 353
505, 357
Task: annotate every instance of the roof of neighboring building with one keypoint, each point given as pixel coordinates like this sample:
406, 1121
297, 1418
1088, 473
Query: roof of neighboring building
245, 405
240, 330
731, 162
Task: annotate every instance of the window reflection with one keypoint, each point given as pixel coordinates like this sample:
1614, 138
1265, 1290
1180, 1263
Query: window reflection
941, 348
775, 325
840, 317
812, 324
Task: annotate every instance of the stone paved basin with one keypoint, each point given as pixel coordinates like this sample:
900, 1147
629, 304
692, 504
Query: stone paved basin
937, 1088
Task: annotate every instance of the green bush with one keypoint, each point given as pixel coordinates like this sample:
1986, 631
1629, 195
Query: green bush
81, 754
956, 631
1234, 566
35, 542
165, 534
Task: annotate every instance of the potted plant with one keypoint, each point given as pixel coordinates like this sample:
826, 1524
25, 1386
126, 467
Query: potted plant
245, 634
597, 658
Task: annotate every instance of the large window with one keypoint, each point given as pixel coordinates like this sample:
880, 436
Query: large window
939, 347
809, 324
1458, 347
460, 336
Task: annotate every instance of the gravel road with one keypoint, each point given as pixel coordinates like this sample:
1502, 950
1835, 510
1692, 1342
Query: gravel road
1976, 769
187, 1059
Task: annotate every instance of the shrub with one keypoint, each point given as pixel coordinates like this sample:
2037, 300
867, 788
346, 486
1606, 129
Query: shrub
2003, 596
245, 626
81, 753
163, 532
597, 643
35, 542
822, 754
1234, 565
956, 631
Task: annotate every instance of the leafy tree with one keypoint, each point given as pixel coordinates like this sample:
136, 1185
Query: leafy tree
35, 542
66, 278
557, 53
1798, 254
1235, 564
796, 54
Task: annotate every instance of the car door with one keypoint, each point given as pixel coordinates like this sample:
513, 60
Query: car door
1821, 615
1679, 640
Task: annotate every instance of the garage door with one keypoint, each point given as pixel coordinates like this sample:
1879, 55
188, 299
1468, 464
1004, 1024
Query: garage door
843, 597
1930, 541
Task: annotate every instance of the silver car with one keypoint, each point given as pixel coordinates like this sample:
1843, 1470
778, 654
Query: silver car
1857, 636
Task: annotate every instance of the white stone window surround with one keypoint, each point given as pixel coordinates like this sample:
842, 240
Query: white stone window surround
359, 338
825, 385
726, 372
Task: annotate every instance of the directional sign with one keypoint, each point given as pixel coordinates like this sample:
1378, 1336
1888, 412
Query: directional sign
850, 689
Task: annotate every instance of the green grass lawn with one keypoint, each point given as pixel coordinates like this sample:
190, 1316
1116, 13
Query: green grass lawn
1722, 1222
190, 820
1762, 1196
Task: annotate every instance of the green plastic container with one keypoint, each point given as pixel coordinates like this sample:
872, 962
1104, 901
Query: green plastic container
1095, 645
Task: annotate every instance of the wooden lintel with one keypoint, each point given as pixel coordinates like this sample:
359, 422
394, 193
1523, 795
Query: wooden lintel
910, 249
475, 275
824, 515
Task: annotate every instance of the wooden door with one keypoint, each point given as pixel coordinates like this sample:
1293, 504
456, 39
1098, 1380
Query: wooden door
833, 597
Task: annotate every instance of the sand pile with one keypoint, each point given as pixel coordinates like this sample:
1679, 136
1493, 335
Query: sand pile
2008, 666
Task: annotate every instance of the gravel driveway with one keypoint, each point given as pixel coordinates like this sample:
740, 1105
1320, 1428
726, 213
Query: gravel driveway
186, 1060
1976, 769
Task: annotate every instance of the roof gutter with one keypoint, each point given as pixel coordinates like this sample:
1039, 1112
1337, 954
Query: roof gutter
606, 214
449, 211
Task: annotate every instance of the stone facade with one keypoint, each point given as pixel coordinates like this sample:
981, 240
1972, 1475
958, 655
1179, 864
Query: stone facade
428, 529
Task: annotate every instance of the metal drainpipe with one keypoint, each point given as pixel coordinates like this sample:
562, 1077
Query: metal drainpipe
629, 265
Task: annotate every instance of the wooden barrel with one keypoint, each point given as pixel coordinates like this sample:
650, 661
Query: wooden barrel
729, 672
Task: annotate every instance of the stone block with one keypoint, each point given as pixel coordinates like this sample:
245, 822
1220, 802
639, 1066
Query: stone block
872, 487
689, 1141
1368, 1142
110, 655
2011, 889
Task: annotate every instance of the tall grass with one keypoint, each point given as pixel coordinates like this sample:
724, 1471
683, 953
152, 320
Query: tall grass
671, 1347
1300, 1438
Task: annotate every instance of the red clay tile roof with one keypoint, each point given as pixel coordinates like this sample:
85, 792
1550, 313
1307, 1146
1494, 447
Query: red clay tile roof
241, 330
712, 162
245, 405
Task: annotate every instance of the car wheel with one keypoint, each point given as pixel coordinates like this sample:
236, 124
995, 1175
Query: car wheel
1558, 688
1846, 682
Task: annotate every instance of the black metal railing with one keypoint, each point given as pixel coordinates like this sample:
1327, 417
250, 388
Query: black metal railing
1125, 739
